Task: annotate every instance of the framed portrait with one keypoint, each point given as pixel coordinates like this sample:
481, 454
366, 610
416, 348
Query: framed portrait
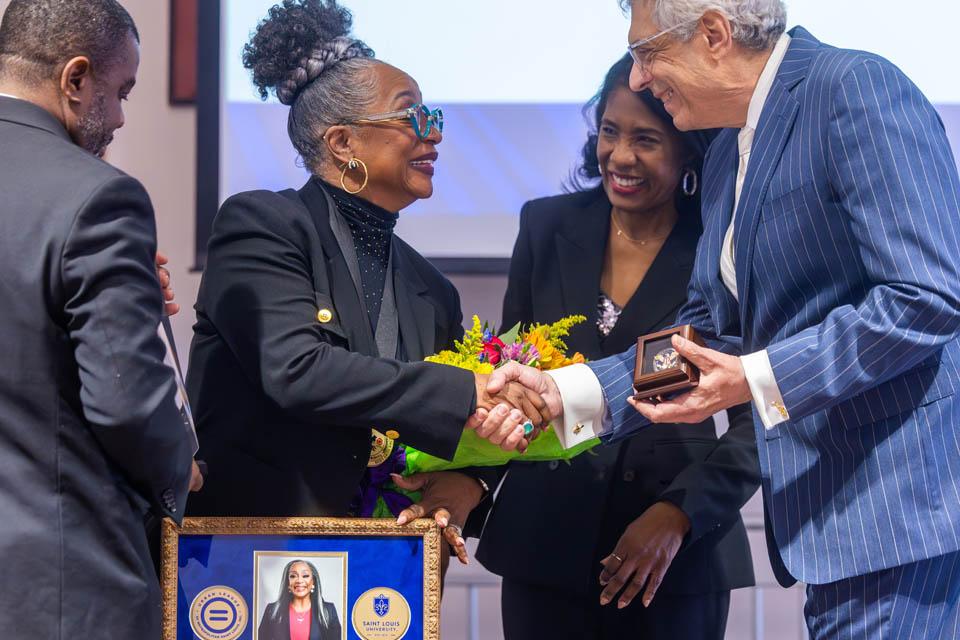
288, 578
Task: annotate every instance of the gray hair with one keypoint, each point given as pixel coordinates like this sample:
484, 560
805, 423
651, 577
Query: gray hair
303, 53
324, 92
757, 24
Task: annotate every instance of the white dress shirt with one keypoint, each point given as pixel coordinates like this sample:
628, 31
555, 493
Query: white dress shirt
756, 366
584, 405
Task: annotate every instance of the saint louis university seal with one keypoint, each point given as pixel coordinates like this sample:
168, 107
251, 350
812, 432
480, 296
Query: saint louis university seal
381, 614
218, 613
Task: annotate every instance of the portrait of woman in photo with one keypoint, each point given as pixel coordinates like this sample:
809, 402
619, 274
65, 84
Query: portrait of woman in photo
300, 612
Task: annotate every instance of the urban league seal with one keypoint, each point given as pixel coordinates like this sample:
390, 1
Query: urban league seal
381, 614
218, 613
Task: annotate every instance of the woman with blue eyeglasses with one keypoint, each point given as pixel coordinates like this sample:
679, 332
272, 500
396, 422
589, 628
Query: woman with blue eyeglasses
313, 317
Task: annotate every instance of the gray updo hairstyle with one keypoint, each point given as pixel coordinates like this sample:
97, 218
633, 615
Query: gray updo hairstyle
302, 52
757, 24
320, 59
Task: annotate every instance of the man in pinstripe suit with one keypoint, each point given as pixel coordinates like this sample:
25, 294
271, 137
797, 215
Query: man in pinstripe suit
827, 287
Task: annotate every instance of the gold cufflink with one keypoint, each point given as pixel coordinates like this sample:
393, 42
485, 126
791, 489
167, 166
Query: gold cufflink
324, 315
393, 435
578, 428
776, 404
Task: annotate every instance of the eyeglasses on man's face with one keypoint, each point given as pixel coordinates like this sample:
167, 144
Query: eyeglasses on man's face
642, 50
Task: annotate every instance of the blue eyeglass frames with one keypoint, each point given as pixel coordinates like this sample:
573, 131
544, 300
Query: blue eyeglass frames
420, 117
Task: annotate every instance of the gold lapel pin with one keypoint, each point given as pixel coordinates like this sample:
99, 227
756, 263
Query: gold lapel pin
324, 315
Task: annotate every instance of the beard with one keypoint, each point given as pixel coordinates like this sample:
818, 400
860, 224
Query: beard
92, 127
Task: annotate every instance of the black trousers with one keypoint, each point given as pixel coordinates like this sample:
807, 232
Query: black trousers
532, 612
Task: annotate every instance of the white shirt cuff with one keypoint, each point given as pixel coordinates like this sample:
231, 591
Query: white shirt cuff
584, 405
764, 389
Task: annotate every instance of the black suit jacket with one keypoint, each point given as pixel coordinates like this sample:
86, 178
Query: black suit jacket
576, 513
275, 624
283, 402
90, 435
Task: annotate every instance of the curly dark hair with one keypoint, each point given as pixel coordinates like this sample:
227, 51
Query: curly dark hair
296, 42
37, 37
302, 52
586, 175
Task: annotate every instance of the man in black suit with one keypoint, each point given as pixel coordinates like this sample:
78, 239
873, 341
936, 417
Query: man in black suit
91, 437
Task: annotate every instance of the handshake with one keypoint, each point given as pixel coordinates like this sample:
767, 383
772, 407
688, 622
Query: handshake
510, 398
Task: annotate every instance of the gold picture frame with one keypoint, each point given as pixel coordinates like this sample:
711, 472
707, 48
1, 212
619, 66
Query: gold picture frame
346, 528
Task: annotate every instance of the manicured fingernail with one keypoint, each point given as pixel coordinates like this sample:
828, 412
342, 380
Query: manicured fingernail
604, 600
527, 428
444, 522
502, 410
516, 416
402, 520
647, 601
621, 604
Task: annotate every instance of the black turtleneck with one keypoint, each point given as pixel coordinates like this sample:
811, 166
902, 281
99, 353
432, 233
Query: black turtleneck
372, 229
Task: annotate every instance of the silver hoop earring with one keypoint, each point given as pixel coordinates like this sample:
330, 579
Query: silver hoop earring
690, 183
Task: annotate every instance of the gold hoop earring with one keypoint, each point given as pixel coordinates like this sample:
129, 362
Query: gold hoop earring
353, 164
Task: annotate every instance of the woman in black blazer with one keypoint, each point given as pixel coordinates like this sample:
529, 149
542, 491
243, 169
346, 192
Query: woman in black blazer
300, 612
621, 254
302, 291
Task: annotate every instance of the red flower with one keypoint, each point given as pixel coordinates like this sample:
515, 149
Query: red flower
492, 350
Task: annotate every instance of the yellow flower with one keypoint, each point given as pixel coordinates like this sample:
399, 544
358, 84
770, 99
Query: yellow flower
472, 343
549, 358
461, 361
576, 359
556, 332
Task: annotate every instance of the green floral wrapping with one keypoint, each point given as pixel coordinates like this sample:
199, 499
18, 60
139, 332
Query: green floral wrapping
474, 451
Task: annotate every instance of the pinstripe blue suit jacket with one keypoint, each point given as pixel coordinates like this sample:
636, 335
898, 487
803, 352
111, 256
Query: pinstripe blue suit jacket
846, 257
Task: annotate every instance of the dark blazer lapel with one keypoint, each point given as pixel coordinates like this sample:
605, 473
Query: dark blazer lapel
663, 288
416, 315
343, 292
773, 131
581, 244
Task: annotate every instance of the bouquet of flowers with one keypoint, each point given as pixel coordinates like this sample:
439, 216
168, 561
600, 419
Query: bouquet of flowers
540, 346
